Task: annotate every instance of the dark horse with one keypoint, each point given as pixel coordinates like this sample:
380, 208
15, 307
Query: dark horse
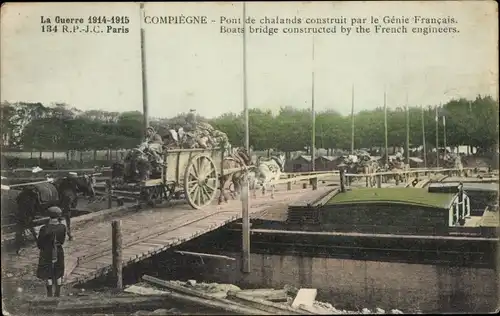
238, 159
34, 200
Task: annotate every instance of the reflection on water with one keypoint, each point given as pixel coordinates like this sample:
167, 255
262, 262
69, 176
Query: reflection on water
347, 284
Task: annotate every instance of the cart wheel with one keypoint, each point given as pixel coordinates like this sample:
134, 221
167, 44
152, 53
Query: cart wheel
200, 181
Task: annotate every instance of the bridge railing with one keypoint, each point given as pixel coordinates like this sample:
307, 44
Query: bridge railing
315, 176
410, 171
57, 170
377, 178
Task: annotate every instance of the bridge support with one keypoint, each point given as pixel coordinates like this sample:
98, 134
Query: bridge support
110, 193
342, 180
116, 235
379, 181
245, 255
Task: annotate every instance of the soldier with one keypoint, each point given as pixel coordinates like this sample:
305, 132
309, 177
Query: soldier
172, 139
191, 122
155, 144
51, 261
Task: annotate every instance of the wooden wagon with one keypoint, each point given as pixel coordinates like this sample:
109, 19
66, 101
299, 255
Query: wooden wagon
191, 174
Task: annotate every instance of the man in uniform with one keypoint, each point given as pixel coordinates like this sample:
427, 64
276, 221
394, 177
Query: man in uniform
155, 144
51, 261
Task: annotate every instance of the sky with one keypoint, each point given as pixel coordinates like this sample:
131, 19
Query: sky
192, 66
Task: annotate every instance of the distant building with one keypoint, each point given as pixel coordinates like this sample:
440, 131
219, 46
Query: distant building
300, 163
326, 163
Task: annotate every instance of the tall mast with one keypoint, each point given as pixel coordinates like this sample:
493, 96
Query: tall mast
423, 138
245, 215
313, 115
145, 109
352, 120
407, 131
385, 128
437, 138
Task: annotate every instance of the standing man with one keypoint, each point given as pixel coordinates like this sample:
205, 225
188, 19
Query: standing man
51, 262
155, 144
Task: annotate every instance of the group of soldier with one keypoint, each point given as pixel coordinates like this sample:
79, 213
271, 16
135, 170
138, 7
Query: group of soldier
361, 158
193, 134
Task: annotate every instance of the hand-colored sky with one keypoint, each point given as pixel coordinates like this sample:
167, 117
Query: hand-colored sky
194, 66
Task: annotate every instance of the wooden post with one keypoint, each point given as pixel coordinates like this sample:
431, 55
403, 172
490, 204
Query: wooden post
289, 183
379, 181
110, 193
314, 183
304, 185
342, 180
116, 245
461, 207
245, 227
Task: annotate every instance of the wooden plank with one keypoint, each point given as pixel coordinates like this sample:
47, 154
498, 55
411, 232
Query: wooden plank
151, 244
104, 260
83, 270
165, 240
305, 297
130, 254
174, 287
141, 290
267, 294
270, 307
140, 236
70, 263
142, 248
183, 231
204, 255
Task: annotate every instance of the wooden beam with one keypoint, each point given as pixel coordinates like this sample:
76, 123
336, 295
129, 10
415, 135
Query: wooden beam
370, 235
223, 303
117, 253
271, 295
270, 307
206, 255
245, 228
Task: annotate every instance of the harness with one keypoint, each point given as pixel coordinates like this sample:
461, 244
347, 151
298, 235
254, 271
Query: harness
272, 167
46, 193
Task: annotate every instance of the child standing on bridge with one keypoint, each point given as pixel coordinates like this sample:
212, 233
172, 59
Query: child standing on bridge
51, 262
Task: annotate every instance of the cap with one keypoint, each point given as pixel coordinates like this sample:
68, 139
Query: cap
54, 212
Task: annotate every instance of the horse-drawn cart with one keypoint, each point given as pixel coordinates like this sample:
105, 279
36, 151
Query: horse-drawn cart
191, 174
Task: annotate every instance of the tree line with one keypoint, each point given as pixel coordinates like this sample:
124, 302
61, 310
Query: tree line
58, 127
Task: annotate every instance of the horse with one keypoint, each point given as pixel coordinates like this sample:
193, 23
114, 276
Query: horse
397, 167
238, 159
35, 199
267, 171
367, 166
453, 162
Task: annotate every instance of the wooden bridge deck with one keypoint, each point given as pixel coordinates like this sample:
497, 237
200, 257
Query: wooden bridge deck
145, 233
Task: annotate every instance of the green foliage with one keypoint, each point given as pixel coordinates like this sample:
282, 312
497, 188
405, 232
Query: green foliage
59, 127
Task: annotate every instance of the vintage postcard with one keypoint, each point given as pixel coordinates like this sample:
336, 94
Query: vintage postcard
249, 158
